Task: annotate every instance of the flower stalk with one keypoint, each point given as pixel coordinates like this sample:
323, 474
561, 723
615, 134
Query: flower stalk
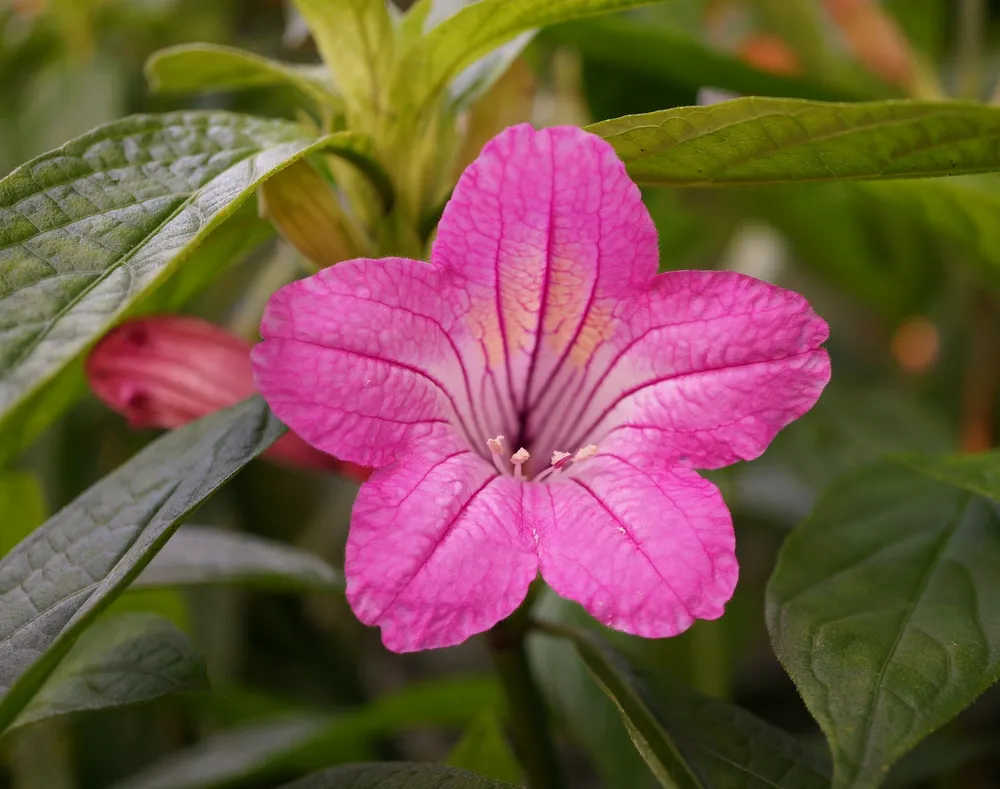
529, 716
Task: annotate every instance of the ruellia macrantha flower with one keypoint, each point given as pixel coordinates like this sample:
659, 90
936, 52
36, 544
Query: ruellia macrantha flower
537, 399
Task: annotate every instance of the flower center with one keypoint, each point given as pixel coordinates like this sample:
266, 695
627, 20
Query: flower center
515, 466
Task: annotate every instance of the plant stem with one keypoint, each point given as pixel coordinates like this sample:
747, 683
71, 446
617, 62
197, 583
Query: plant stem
971, 27
529, 716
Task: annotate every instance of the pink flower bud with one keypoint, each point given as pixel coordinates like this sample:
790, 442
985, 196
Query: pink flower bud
167, 370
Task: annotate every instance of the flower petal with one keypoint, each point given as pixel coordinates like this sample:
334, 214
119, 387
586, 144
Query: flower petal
715, 364
357, 358
551, 235
438, 550
644, 549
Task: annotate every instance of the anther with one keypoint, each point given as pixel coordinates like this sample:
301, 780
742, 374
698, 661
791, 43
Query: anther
496, 449
585, 453
519, 458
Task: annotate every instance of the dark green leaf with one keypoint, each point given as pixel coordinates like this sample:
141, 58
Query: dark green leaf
93, 230
883, 608
120, 660
22, 508
200, 555
765, 140
693, 740
313, 740
197, 67
53, 584
431, 62
397, 776
483, 749
681, 59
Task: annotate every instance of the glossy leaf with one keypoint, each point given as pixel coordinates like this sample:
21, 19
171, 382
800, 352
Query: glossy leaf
483, 749
397, 776
310, 740
690, 740
22, 508
91, 231
54, 583
682, 59
883, 609
190, 68
355, 38
765, 140
121, 660
425, 69
202, 555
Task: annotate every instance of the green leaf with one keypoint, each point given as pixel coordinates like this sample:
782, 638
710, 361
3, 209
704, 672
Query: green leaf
691, 740
201, 555
882, 607
54, 583
312, 740
120, 660
91, 232
424, 70
396, 776
678, 58
199, 67
356, 40
484, 749
765, 140
22, 508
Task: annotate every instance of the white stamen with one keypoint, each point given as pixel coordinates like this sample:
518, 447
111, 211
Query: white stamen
585, 453
560, 457
519, 458
496, 448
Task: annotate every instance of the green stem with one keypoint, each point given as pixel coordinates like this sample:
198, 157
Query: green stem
971, 28
529, 716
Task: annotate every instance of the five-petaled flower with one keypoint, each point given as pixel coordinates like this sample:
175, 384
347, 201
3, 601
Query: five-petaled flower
537, 398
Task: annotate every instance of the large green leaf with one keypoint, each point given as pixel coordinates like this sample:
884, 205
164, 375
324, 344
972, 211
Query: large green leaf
424, 70
125, 659
201, 555
22, 508
197, 67
765, 140
93, 230
54, 583
397, 776
691, 740
883, 606
681, 59
312, 740
356, 40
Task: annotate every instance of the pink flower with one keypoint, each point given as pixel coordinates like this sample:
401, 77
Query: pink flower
537, 399
166, 371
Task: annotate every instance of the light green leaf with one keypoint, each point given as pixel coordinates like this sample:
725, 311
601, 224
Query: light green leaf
483, 749
691, 740
197, 67
91, 232
22, 508
120, 660
54, 583
201, 555
356, 40
882, 607
424, 70
311, 740
679, 58
397, 776
765, 140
